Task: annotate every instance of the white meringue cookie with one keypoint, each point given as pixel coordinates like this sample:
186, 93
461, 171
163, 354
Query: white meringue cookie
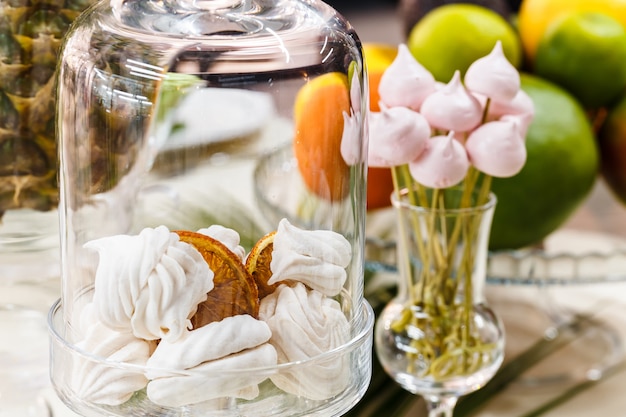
452, 107
405, 83
212, 341
304, 325
219, 378
151, 283
98, 382
317, 258
497, 148
443, 164
493, 76
229, 237
397, 136
351, 147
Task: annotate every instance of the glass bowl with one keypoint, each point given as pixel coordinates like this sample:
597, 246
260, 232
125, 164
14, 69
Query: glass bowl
355, 356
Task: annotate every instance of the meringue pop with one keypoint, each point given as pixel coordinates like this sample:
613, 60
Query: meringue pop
452, 107
304, 325
405, 83
493, 76
397, 136
497, 148
317, 258
443, 164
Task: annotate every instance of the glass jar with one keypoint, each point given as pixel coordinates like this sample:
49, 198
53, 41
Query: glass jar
212, 177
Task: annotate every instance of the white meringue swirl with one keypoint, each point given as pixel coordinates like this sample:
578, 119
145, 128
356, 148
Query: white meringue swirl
151, 283
234, 343
99, 382
317, 258
305, 324
229, 237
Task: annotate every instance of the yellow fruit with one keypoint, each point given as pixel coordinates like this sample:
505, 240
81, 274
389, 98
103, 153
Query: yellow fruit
536, 15
585, 52
318, 118
453, 36
559, 173
378, 57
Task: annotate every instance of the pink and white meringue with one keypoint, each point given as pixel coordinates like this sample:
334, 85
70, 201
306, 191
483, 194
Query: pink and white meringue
452, 107
493, 76
317, 258
497, 148
305, 324
405, 83
151, 283
443, 163
397, 136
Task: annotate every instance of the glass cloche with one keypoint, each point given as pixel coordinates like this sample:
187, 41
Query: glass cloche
212, 180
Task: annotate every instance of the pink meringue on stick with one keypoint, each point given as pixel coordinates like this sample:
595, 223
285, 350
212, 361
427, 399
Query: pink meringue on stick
405, 83
497, 148
444, 163
493, 76
398, 136
452, 107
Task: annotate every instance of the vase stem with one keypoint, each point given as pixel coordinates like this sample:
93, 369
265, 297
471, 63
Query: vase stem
440, 406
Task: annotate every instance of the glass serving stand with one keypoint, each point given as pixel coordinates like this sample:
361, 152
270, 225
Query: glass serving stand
164, 110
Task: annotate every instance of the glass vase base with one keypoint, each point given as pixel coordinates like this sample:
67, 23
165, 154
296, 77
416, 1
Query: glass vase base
459, 371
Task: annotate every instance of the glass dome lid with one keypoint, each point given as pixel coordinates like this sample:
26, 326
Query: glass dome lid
213, 158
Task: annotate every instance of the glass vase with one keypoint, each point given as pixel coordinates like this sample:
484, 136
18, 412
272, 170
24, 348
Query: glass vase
438, 338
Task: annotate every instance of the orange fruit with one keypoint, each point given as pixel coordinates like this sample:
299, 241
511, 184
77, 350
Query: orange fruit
378, 57
535, 16
318, 119
234, 291
258, 264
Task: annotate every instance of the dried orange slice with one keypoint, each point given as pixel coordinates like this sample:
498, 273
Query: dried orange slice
258, 264
234, 291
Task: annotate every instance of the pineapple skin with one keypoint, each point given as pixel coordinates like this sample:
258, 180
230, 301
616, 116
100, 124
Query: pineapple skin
31, 33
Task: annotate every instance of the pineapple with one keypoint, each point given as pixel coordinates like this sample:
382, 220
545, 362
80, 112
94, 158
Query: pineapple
31, 32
